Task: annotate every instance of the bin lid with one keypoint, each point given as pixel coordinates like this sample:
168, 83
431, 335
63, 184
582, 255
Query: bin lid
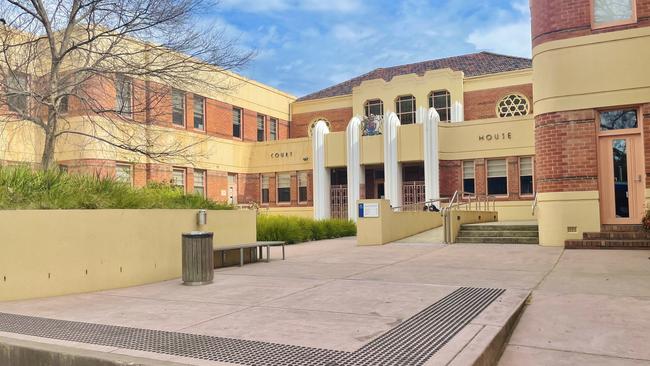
198, 234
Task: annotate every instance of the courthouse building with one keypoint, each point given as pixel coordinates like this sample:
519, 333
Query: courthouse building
560, 138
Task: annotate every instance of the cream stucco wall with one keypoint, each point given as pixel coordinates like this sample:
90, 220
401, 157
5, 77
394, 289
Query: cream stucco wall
391, 226
57, 252
558, 212
589, 72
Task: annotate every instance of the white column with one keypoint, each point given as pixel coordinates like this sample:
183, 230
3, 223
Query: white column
392, 168
457, 112
321, 173
431, 160
355, 173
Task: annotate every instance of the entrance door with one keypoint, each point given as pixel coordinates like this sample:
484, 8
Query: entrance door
621, 180
232, 189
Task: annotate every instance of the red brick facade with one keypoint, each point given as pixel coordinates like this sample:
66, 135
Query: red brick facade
566, 151
338, 119
451, 178
561, 19
482, 104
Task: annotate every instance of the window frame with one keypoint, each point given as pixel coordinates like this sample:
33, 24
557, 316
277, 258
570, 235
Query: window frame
277, 189
262, 137
273, 129
532, 175
184, 172
203, 103
123, 164
119, 97
447, 108
268, 190
204, 174
373, 102
462, 169
594, 26
306, 186
240, 123
624, 131
398, 108
487, 178
184, 104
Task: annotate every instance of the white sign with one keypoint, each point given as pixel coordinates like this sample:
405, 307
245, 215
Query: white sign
371, 210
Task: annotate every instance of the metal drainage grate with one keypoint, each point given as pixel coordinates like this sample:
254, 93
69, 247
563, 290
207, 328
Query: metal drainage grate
411, 343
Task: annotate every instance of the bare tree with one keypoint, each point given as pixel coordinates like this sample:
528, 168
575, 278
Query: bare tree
103, 70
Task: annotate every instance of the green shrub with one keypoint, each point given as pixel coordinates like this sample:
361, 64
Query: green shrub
297, 229
24, 188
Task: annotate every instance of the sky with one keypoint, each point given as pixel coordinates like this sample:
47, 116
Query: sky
303, 46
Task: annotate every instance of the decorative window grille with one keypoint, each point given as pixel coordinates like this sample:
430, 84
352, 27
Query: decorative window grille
513, 105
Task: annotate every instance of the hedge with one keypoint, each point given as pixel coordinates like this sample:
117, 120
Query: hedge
297, 229
24, 188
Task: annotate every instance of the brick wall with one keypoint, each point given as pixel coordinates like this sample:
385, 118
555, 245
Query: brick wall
561, 19
566, 151
338, 119
248, 187
482, 104
450, 177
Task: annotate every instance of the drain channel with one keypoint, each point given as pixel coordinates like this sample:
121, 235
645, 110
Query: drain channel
411, 343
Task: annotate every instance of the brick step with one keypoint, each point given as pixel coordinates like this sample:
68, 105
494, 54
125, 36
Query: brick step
500, 227
496, 240
500, 234
619, 228
617, 235
607, 244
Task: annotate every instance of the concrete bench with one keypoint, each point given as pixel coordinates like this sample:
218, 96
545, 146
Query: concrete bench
253, 247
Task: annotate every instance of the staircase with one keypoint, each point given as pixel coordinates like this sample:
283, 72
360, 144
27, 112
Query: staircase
613, 237
499, 234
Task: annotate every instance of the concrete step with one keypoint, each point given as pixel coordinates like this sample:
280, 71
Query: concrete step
619, 228
607, 244
500, 227
617, 235
497, 240
500, 234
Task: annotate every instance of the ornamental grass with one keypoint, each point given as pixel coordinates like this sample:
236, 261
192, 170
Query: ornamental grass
298, 229
25, 188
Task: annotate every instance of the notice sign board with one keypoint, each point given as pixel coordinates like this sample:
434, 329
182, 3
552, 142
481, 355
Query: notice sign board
369, 210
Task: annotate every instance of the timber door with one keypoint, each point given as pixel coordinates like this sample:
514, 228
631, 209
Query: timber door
621, 179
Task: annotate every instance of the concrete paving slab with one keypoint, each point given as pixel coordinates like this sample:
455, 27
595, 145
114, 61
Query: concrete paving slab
124, 311
583, 323
393, 300
305, 270
318, 329
605, 261
621, 284
529, 356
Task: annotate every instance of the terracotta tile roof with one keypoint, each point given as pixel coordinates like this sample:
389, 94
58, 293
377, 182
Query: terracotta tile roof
474, 64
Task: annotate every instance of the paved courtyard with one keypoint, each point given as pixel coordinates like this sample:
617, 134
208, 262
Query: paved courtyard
335, 299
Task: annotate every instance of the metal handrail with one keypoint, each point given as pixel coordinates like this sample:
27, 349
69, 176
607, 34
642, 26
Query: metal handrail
482, 204
423, 204
534, 205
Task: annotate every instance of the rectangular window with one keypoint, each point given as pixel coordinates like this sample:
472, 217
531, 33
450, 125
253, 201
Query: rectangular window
284, 188
123, 173
199, 182
236, 122
618, 119
406, 109
374, 107
178, 178
260, 127
497, 177
273, 129
17, 89
441, 101
178, 107
526, 175
608, 13
123, 95
63, 104
199, 112
302, 187
265, 189
469, 185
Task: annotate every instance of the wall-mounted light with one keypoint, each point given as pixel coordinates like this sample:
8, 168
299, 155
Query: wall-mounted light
306, 158
202, 217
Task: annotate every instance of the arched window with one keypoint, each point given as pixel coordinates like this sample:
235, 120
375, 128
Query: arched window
513, 105
313, 123
374, 107
441, 101
405, 107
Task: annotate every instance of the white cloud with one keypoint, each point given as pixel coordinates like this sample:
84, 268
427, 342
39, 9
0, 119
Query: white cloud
510, 39
257, 6
351, 33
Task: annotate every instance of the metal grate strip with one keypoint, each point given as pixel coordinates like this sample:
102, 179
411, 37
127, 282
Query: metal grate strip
411, 343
